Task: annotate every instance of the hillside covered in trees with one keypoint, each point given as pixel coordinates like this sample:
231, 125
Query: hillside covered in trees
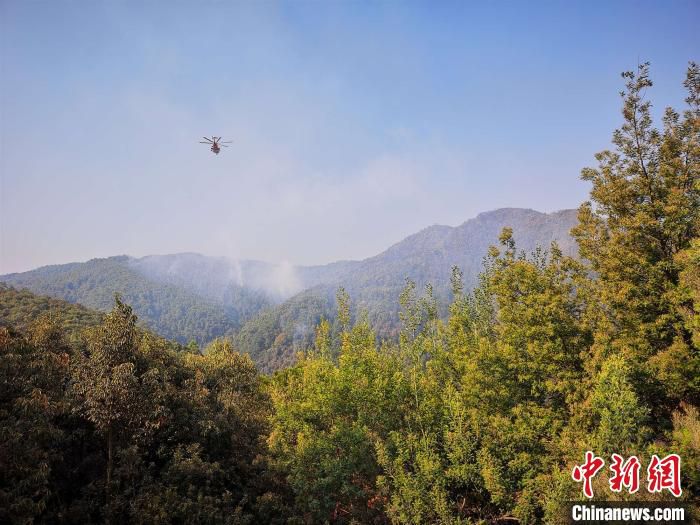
274, 337
271, 310
173, 311
476, 418
21, 308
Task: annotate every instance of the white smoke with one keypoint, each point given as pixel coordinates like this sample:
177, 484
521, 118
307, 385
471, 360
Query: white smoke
283, 280
211, 276
235, 273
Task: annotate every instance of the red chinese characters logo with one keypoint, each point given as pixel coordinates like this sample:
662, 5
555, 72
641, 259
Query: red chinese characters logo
625, 474
587, 472
661, 474
665, 474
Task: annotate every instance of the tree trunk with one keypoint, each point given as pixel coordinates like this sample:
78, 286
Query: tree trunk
108, 487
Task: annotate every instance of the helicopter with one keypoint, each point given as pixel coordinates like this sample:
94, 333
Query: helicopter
215, 143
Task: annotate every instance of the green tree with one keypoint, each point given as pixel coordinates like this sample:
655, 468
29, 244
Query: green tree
112, 394
644, 211
33, 375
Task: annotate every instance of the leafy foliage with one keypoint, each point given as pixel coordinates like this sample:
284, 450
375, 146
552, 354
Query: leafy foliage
19, 308
122, 426
643, 215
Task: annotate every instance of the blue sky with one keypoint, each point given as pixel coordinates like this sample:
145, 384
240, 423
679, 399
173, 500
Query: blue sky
354, 123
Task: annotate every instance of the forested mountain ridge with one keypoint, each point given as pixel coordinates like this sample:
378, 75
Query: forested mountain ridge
429, 254
20, 308
169, 310
272, 309
374, 284
23, 310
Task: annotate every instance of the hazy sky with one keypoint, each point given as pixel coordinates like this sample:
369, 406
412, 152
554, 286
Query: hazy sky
354, 123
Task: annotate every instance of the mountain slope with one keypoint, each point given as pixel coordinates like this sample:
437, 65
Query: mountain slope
20, 308
374, 284
272, 309
169, 310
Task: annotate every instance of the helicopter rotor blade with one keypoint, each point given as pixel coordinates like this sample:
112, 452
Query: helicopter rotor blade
207, 139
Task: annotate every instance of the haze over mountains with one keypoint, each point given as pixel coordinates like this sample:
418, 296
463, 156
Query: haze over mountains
271, 309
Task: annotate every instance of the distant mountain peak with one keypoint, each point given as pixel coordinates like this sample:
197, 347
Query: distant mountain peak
187, 296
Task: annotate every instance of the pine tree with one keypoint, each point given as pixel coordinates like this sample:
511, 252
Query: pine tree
644, 211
